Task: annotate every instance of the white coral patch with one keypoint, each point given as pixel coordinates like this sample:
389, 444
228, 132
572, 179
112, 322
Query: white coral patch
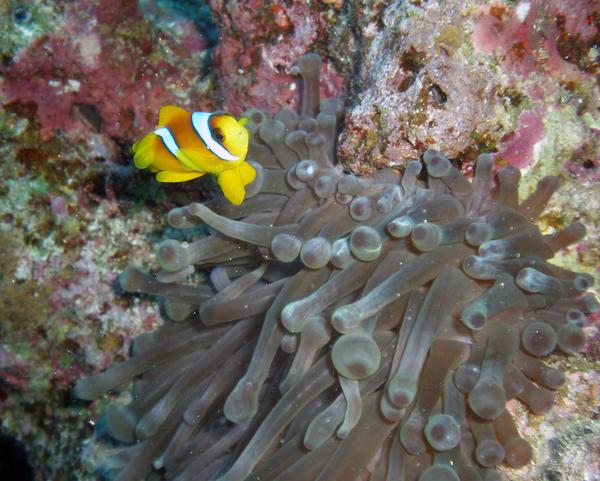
89, 48
522, 10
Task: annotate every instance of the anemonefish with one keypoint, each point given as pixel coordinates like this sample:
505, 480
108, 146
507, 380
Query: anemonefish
186, 145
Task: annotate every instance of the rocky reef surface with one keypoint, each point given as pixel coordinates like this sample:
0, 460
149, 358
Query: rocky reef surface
82, 80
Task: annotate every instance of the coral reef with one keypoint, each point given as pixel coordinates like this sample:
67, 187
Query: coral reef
342, 327
260, 43
74, 212
76, 87
101, 69
442, 75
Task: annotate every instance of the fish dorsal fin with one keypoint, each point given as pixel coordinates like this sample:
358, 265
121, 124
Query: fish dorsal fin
168, 113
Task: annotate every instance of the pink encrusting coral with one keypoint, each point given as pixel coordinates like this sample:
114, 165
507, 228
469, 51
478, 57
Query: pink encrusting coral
538, 35
335, 327
517, 149
12, 372
242, 50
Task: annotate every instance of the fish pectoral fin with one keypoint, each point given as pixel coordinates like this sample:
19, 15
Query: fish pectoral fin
168, 113
144, 151
247, 172
197, 160
233, 186
167, 176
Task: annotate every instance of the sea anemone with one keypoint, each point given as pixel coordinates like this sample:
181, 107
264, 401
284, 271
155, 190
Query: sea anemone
335, 327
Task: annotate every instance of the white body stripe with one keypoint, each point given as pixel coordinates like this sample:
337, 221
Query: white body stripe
165, 134
202, 128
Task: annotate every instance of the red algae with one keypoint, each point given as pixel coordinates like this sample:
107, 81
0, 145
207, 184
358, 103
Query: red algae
517, 148
260, 43
97, 61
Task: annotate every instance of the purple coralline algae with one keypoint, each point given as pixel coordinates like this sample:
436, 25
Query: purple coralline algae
336, 327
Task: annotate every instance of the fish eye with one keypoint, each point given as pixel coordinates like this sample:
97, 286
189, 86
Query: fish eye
217, 135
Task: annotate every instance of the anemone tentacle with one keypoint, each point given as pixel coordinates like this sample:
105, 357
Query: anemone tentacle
348, 327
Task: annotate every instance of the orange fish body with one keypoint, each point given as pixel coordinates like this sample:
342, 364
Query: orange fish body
187, 145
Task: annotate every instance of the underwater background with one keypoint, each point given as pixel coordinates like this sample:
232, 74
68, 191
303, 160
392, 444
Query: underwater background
80, 81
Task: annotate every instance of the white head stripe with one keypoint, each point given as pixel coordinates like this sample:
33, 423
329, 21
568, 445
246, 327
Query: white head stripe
202, 128
165, 134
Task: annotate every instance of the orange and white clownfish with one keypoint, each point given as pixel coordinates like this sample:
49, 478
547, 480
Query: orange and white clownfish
186, 145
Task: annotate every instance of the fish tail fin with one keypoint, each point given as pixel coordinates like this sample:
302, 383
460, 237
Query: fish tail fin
168, 113
144, 151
